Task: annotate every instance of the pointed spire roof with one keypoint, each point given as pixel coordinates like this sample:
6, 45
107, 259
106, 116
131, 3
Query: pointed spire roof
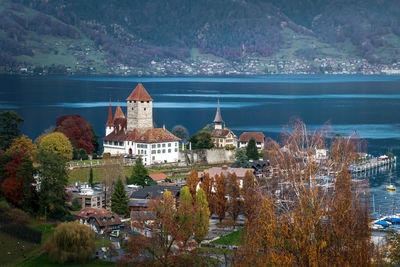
110, 118
139, 94
118, 113
218, 117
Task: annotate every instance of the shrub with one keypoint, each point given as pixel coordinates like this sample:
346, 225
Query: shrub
18, 217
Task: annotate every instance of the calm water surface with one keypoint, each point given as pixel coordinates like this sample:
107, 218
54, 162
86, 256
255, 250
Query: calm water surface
369, 105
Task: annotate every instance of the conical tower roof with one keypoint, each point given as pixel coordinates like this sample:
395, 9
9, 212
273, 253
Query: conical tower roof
119, 113
139, 94
218, 117
110, 118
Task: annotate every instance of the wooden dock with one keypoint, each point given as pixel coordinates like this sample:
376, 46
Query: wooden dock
371, 164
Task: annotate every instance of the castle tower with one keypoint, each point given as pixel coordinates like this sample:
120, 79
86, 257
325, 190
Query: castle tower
218, 119
110, 122
140, 109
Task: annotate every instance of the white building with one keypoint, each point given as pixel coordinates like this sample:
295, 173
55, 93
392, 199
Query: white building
245, 138
134, 134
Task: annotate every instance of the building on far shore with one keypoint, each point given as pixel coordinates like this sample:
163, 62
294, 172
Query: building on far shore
134, 133
221, 135
258, 137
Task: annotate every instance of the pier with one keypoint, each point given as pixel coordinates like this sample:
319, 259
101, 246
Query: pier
372, 164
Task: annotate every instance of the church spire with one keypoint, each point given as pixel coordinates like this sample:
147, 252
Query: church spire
110, 118
218, 118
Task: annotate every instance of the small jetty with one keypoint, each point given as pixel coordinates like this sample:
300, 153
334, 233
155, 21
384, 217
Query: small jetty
372, 164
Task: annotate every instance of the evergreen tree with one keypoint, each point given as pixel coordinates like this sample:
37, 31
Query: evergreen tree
95, 142
119, 200
241, 158
251, 150
53, 178
201, 216
91, 178
9, 130
139, 174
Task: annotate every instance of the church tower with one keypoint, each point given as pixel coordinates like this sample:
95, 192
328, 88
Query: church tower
218, 119
140, 109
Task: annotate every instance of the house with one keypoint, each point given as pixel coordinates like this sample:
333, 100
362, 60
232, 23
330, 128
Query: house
240, 172
158, 177
134, 133
221, 135
258, 137
140, 199
100, 220
88, 197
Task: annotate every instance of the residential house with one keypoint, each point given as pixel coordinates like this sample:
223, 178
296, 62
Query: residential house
245, 138
101, 220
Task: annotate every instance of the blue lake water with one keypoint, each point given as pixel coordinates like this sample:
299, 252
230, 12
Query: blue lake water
369, 105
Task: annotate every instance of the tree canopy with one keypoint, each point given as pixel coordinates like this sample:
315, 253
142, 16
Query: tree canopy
9, 121
202, 140
241, 158
79, 131
119, 200
71, 242
24, 145
181, 132
251, 150
201, 216
139, 175
57, 143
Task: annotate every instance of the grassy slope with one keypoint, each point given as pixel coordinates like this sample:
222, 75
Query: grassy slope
234, 238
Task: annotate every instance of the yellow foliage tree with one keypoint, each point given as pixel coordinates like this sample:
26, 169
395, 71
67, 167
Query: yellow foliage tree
24, 145
71, 242
57, 143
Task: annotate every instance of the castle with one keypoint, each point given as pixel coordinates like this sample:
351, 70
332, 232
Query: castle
134, 133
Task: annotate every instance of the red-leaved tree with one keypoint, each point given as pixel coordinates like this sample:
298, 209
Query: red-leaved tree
78, 130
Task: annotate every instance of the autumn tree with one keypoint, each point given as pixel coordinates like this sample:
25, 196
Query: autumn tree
71, 242
139, 175
234, 204
185, 216
78, 130
201, 217
112, 170
249, 194
219, 199
251, 150
191, 182
53, 179
207, 185
9, 121
301, 221
119, 200
57, 143
23, 145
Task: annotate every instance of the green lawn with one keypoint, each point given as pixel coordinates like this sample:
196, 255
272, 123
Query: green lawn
12, 248
234, 238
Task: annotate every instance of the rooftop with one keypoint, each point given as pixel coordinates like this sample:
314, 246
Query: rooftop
247, 136
240, 172
139, 94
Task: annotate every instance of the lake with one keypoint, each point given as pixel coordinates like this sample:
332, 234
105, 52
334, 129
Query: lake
369, 105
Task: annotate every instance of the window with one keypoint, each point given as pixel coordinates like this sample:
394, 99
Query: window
144, 109
132, 108
148, 101
141, 101
158, 151
169, 144
163, 151
145, 159
153, 146
169, 150
134, 101
176, 150
121, 143
115, 143
158, 145
154, 157
163, 145
153, 152
176, 144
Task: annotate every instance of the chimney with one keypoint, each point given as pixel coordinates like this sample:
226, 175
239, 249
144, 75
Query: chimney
163, 127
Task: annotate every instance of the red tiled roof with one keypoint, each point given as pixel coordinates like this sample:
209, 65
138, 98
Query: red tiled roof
119, 113
158, 176
257, 136
99, 215
153, 135
139, 94
110, 118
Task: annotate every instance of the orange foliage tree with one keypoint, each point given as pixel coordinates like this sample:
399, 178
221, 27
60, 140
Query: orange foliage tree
207, 185
220, 204
191, 182
305, 220
234, 204
23, 145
